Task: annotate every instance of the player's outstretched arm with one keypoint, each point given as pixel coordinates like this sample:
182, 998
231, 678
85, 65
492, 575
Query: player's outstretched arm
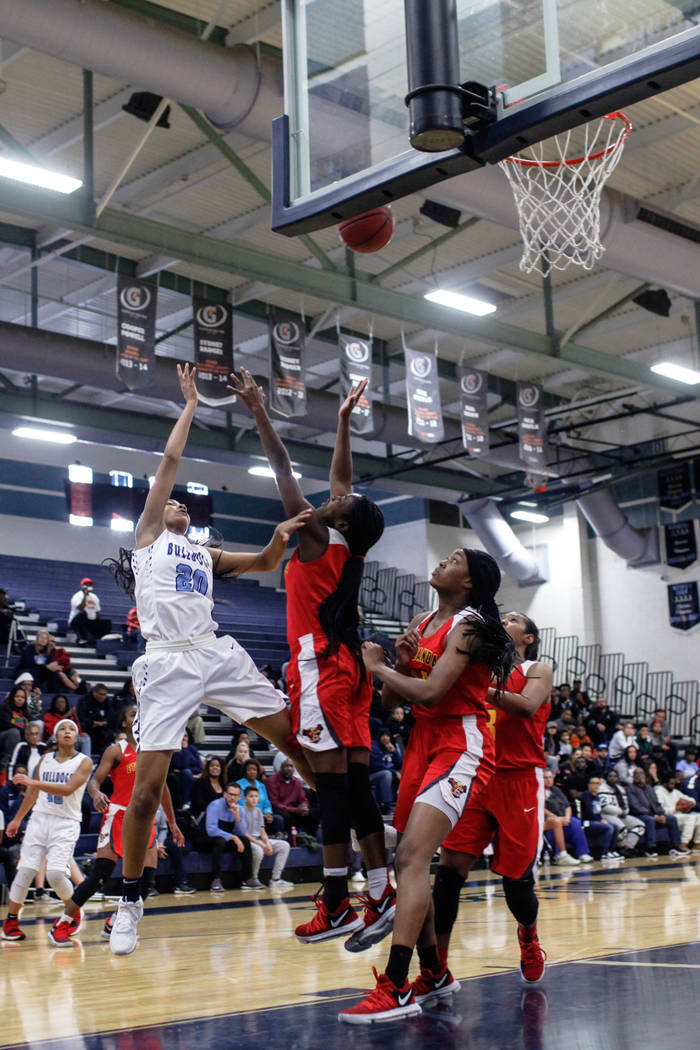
536, 691
341, 464
266, 560
72, 784
150, 524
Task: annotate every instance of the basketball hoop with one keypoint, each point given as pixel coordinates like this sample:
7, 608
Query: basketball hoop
558, 197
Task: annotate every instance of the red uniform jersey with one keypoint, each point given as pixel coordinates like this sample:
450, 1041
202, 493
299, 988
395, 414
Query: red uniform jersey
308, 584
468, 694
518, 739
123, 776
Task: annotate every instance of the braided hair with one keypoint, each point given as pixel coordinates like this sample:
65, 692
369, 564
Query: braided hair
490, 643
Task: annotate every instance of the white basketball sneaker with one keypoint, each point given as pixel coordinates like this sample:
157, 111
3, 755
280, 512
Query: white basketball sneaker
125, 935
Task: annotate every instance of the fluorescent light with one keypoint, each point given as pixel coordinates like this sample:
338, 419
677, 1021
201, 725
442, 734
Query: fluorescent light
198, 533
466, 303
122, 479
121, 525
528, 515
60, 437
79, 519
678, 372
81, 475
267, 472
195, 489
38, 176
526, 503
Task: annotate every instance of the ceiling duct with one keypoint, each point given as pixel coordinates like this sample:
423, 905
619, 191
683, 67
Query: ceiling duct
500, 541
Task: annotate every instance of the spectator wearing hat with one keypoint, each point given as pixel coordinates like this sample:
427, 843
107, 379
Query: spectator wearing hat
84, 617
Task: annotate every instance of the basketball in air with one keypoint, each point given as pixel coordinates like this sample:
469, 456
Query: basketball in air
369, 232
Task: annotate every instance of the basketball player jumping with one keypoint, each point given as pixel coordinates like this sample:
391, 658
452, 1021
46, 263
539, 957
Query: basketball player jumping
184, 663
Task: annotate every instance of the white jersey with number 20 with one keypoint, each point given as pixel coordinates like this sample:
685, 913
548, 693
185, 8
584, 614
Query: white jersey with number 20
65, 806
173, 589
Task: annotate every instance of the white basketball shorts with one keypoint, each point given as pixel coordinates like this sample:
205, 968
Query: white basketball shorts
50, 837
170, 685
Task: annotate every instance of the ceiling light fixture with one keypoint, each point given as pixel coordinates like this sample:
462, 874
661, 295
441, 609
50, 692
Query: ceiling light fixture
466, 303
678, 372
267, 472
35, 175
528, 515
59, 437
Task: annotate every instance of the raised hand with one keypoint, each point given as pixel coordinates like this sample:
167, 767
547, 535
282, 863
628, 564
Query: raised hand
285, 528
406, 646
372, 655
352, 399
21, 778
252, 395
186, 377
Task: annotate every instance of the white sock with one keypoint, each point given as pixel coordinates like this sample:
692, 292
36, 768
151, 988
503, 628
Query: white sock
66, 918
335, 872
377, 878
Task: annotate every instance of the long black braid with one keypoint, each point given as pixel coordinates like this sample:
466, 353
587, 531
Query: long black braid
490, 643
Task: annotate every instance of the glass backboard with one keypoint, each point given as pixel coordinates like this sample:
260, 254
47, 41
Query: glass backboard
346, 128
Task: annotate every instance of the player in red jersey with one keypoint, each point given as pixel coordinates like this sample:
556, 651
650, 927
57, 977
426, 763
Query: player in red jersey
511, 809
119, 763
445, 662
329, 689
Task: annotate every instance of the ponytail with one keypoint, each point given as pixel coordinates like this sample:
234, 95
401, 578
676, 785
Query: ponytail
121, 570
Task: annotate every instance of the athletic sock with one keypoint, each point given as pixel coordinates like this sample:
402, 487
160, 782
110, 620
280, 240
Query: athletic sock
442, 954
377, 878
335, 887
429, 959
399, 962
131, 890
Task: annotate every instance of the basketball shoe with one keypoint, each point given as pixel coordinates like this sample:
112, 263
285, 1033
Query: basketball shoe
531, 956
107, 928
63, 929
326, 924
11, 930
125, 933
429, 986
385, 1002
377, 921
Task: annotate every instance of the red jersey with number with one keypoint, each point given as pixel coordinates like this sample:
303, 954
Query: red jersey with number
123, 776
519, 739
468, 694
308, 584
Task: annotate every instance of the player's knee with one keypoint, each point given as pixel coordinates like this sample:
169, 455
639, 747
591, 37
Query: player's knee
60, 884
144, 800
21, 883
410, 853
521, 899
364, 812
334, 807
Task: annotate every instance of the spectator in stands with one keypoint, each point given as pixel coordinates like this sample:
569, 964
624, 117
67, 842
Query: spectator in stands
9, 852
645, 805
236, 759
58, 709
399, 726
28, 752
626, 766
132, 638
603, 759
565, 746
384, 771
49, 666
574, 781
621, 740
593, 766
561, 826
195, 728
652, 772
565, 694
208, 787
226, 830
644, 742
261, 845
566, 721
32, 692
96, 715
596, 827
688, 766
577, 688
289, 800
7, 615
691, 787
661, 758
661, 734
14, 717
551, 745
168, 848
84, 617
601, 721
253, 777
555, 705
675, 804
579, 734
615, 808
185, 765
11, 796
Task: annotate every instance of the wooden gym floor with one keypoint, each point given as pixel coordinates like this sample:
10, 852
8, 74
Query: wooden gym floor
226, 971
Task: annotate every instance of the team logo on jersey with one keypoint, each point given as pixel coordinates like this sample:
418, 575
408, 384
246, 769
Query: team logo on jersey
456, 787
314, 733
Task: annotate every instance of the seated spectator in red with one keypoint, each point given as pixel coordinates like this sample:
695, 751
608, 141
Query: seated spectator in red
61, 708
597, 828
289, 800
208, 787
14, 717
185, 765
384, 771
132, 621
645, 805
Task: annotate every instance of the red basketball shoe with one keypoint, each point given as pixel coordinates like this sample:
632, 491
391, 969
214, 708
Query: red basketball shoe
377, 922
11, 930
429, 986
386, 1002
326, 924
531, 956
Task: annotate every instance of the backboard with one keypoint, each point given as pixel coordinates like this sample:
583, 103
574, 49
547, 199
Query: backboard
343, 147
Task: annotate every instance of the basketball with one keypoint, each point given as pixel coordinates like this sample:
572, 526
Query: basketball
369, 232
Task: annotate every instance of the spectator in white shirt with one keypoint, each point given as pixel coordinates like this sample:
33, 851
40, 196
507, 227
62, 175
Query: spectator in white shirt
621, 740
674, 803
84, 617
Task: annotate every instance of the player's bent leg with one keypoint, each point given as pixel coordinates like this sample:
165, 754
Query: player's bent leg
380, 902
449, 880
69, 924
523, 904
277, 728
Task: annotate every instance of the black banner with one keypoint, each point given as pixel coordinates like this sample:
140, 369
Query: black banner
675, 489
474, 389
213, 350
423, 397
136, 331
681, 548
531, 425
356, 365
287, 386
683, 605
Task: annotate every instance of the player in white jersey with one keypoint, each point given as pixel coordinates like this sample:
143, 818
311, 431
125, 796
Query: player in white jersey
185, 663
55, 793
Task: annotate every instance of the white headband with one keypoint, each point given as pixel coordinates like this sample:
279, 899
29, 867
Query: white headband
64, 722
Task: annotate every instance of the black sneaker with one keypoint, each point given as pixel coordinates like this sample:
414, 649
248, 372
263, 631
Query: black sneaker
183, 889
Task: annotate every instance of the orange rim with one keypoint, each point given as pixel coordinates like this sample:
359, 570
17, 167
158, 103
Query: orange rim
617, 115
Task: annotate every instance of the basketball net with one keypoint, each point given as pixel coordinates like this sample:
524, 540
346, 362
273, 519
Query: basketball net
558, 196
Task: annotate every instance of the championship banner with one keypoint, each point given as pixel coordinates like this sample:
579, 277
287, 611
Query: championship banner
683, 605
531, 425
136, 331
287, 387
356, 365
681, 548
213, 350
473, 386
675, 488
423, 397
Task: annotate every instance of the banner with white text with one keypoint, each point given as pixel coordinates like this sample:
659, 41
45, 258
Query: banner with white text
423, 397
136, 331
356, 365
287, 383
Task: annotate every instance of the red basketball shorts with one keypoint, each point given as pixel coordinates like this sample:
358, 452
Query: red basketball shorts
111, 830
446, 759
510, 812
330, 699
